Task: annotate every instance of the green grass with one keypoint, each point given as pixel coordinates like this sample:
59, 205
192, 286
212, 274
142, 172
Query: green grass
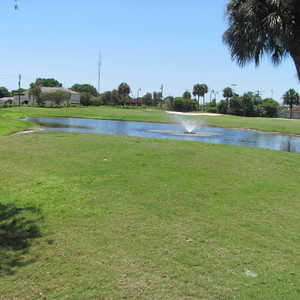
9, 116
128, 218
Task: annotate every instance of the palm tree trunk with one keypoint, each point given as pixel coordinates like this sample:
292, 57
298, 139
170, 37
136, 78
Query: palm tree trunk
296, 57
291, 111
198, 102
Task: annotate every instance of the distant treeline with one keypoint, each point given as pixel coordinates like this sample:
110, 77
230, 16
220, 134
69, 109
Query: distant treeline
249, 104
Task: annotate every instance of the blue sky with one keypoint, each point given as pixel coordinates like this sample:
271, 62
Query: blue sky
145, 43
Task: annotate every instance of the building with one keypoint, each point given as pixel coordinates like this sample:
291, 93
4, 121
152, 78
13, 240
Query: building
26, 99
6, 100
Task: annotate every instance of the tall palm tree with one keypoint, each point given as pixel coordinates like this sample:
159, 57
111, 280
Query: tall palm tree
258, 27
227, 93
200, 90
203, 91
291, 98
124, 91
197, 92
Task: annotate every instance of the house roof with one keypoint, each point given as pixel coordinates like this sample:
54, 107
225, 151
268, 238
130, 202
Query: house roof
46, 89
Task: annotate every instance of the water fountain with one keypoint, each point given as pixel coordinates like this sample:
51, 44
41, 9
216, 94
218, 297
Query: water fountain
190, 128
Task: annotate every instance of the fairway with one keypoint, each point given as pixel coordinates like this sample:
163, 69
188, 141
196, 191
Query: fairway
114, 217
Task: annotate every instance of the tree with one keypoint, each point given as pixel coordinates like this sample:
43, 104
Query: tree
291, 98
235, 106
56, 97
248, 104
147, 99
258, 27
197, 92
85, 98
48, 82
157, 98
182, 104
202, 90
35, 92
4, 92
124, 91
16, 92
187, 95
227, 93
85, 88
222, 107
269, 108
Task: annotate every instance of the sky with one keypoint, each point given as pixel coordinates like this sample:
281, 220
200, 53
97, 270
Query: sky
144, 43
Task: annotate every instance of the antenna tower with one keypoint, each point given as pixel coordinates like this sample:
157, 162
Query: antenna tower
99, 71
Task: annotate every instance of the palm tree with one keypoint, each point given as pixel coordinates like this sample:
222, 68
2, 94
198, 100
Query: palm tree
200, 90
197, 92
124, 91
258, 27
203, 91
187, 95
227, 93
291, 97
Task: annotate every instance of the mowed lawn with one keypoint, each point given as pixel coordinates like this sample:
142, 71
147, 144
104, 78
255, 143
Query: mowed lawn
113, 217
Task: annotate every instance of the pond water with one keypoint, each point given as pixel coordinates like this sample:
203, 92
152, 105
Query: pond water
173, 131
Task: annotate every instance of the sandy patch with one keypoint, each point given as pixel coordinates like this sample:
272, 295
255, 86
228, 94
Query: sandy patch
31, 130
193, 114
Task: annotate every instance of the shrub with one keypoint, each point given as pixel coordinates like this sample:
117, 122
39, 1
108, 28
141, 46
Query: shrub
96, 101
269, 108
85, 99
211, 107
183, 105
56, 98
222, 107
235, 106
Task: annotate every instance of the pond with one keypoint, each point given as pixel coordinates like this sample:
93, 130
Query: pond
206, 134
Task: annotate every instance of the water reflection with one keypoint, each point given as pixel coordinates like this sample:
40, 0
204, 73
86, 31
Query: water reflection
162, 130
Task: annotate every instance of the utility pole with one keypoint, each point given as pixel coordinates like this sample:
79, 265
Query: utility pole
19, 92
99, 70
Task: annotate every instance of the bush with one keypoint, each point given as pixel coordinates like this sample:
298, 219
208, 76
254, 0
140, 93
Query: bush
85, 99
212, 107
56, 98
96, 101
110, 98
183, 105
269, 108
222, 107
235, 106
